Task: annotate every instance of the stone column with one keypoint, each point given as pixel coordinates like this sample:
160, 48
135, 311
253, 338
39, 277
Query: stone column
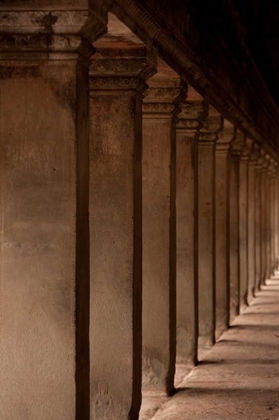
206, 226
276, 216
258, 221
243, 225
264, 198
44, 352
222, 193
269, 218
274, 239
251, 220
187, 127
117, 83
159, 230
235, 153
273, 218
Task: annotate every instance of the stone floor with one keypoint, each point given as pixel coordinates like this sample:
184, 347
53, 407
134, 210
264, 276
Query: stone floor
239, 377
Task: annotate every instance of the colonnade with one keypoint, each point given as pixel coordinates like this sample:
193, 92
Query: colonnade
137, 222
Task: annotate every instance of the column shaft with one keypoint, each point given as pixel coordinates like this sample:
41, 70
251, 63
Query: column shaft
272, 239
276, 216
115, 207
243, 230
268, 223
258, 234
222, 194
159, 235
186, 219
206, 244
206, 230
251, 228
44, 359
263, 225
234, 256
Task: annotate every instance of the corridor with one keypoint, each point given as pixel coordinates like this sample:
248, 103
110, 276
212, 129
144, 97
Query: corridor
238, 378
139, 210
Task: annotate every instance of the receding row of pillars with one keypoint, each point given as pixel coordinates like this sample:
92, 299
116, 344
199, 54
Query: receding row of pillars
129, 241
193, 212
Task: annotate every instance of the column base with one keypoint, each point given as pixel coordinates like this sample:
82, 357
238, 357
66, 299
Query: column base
219, 332
151, 402
206, 341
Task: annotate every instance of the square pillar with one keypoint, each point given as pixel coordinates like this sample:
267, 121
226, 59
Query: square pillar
243, 225
234, 256
187, 128
258, 221
44, 94
276, 216
264, 198
206, 226
117, 83
269, 218
251, 221
222, 193
159, 230
273, 216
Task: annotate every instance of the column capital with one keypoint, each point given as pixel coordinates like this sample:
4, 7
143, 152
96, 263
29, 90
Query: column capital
270, 168
41, 32
246, 149
211, 126
273, 168
260, 160
122, 70
255, 154
276, 170
225, 137
237, 143
265, 163
166, 91
189, 120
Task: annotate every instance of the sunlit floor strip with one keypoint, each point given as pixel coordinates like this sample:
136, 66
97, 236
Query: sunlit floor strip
238, 378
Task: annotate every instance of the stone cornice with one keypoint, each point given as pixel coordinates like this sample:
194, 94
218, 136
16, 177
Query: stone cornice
273, 169
113, 69
31, 34
255, 154
237, 143
270, 168
225, 136
183, 59
261, 160
276, 171
163, 98
191, 117
265, 163
211, 127
7, 5
246, 150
